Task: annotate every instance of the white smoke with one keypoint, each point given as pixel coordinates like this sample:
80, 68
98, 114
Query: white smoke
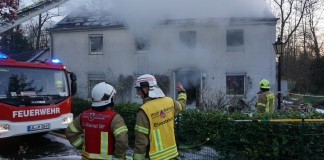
144, 14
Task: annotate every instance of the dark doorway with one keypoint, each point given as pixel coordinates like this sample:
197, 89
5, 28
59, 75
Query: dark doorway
190, 78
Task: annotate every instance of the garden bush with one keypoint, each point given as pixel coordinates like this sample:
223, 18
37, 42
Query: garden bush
231, 138
250, 139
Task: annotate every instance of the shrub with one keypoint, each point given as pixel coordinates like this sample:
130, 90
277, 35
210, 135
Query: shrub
79, 105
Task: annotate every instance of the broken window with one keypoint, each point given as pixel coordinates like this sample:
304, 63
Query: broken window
143, 44
235, 84
188, 38
235, 40
96, 44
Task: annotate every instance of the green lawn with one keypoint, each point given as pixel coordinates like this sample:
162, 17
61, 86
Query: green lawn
299, 99
308, 99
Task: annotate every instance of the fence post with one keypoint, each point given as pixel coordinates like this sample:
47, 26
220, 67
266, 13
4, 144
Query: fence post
302, 136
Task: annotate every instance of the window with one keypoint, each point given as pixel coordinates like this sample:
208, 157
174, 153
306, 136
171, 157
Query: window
93, 80
96, 44
235, 40
235, 84
143, 44
188, 38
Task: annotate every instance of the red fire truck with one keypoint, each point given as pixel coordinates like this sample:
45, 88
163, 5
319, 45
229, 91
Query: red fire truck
35, 97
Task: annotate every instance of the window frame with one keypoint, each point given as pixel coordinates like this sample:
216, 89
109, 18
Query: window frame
236, 75
187, 40
90, 44
96, 78
234, 33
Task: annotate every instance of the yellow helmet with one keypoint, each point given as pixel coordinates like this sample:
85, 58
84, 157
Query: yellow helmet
264, 84
58, 83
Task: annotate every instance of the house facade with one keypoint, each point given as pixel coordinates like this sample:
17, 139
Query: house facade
231, 54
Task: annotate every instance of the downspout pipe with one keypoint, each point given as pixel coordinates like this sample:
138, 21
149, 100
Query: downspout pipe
51, 44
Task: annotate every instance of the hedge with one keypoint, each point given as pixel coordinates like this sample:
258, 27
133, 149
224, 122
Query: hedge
238, 139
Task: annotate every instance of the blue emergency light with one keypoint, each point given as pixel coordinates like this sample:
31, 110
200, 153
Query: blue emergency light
56, 61
2, 56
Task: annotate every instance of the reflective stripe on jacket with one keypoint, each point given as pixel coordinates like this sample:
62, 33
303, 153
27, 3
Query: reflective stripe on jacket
266, 102
160, 113
98, 138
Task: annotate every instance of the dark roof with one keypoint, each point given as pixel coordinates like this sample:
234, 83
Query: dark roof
83, 18
87, 19
28, 56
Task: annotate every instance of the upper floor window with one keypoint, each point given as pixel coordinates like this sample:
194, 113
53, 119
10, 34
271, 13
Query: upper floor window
143, 44
235, 40
235, 84
96, 44
188, 38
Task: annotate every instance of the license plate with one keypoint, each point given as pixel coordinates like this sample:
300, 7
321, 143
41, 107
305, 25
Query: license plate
38, 127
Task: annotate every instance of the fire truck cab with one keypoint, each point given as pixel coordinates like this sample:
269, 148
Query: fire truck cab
34, 96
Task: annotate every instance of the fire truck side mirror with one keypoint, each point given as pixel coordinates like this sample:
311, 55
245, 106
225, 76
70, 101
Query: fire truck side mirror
72, 76
73, 87
73, 83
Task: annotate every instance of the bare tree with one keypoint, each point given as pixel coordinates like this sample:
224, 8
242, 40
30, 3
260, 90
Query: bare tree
36, 28
290, 10
314, 18
299, 25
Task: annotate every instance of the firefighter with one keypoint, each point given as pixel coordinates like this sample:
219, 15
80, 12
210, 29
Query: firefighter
99, 131
154, 128
266, 98
59, 86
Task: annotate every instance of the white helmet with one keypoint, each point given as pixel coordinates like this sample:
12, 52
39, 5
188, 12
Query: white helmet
102, 94
148, 80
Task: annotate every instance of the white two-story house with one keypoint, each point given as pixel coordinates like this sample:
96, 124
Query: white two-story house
229, 53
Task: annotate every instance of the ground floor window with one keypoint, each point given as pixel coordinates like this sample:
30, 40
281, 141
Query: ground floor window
235, 84
93, 80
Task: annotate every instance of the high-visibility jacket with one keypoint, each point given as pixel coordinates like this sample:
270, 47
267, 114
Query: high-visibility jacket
266, 102
160, 113
98, 138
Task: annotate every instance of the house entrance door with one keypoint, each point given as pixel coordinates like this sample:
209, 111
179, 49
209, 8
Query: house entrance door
191, 79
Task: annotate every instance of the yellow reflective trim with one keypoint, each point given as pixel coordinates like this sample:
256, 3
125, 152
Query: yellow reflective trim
168, 151
97, 156
262, 104
83, 147
139, 156
120, 130
77, 142
269, 97
142, 129
73, 129
180, 105
103, 149
104, 143
157, 140
170, 155
128, 157
182, 96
